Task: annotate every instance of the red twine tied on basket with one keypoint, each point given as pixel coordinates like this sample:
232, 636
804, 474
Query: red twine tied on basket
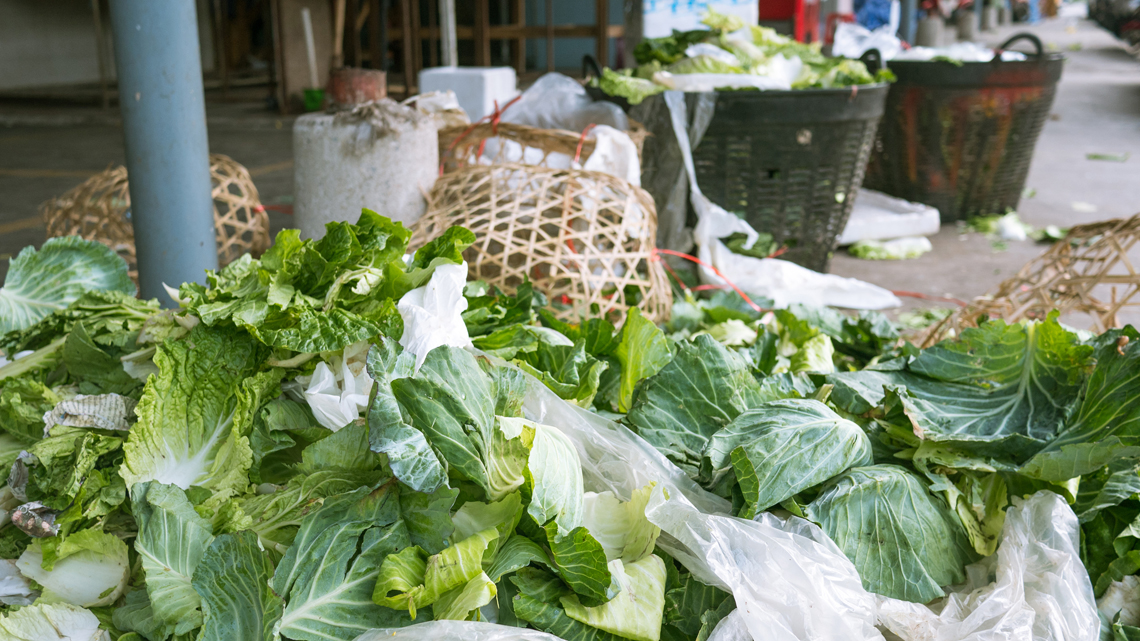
657, 256
494, 117
582, 141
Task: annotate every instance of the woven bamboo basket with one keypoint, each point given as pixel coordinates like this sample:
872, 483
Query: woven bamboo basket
459, 145
99, 209
1091, 278
584, 238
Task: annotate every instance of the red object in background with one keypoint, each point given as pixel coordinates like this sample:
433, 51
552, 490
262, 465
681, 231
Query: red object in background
803, 15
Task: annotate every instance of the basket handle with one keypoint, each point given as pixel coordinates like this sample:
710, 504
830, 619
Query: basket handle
873, 58
590, 68
1025, 35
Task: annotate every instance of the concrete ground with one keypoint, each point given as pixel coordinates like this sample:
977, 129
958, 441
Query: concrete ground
1097, 110
45, 149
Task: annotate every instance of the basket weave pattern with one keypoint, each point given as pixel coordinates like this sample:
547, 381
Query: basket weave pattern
99, 209
796, 182
1090, 277
585, 239
459, 145
965, 151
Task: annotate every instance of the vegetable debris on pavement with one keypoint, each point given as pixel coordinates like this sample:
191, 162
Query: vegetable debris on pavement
339, 437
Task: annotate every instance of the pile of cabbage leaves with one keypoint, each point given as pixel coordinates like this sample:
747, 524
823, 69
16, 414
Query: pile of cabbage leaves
729, 53
331, 439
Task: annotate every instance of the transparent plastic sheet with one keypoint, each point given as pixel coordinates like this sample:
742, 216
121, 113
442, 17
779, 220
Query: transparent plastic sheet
789, 580
456, 631
1041, 593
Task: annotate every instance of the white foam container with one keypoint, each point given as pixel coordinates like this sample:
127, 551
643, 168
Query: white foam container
477, 88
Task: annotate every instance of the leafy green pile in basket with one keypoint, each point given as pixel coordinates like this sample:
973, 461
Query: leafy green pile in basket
728, 46
183, 474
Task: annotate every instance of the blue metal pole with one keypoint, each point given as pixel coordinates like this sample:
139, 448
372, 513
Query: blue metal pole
164, 131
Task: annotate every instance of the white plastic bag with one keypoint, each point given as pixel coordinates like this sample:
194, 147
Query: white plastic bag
556, 101
1042, 591
961, 51
783, 282
337, 391
456, 631
614, 154
789, 580
853, 40
433, 314
698, 82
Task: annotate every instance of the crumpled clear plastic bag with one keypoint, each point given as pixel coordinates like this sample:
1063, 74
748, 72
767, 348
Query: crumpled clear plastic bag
456, 631
1042, 591
789, 580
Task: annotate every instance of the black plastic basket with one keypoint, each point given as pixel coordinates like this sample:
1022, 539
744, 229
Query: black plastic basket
960, 137
790, 162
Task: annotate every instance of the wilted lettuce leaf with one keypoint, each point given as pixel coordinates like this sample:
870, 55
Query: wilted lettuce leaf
282, 429
1108, 487
905, 543
410, 457
636, 611
781, 448
624, 85
687, 606
621, 527
998, 390
410, 579
276, 516
320, 296
428, 517
642, 351
61, 620
451, 401
90, 569
23, 403
137, 615
1107, 418
488, 308
538, 603
695, 395
232, 579
39, 283
328, 575
196, 415
114, 318
171, 541
568, 370
64, 462
460, 603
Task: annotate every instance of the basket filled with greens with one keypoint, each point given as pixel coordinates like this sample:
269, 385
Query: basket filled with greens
790, 134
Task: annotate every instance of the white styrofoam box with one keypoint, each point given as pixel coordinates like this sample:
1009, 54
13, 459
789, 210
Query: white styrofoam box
877, 216
477, 88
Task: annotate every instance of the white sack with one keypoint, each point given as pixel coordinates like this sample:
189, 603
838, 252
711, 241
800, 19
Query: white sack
433, 314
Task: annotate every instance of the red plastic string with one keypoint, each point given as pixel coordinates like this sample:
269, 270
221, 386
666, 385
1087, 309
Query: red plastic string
284, 209
716, 271
581, 141
494, 117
